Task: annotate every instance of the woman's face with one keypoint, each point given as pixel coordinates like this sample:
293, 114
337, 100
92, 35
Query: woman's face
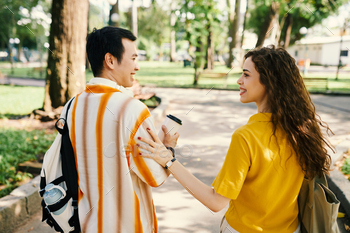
251, 90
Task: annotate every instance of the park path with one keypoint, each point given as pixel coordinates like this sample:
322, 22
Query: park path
23, 81
209, 119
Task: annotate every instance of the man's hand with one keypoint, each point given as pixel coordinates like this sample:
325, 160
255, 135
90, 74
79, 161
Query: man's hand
168, 139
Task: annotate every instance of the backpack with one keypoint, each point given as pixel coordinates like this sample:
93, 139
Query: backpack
59, 173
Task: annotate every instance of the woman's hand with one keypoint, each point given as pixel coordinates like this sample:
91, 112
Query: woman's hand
198, 189
168, 139
157, 150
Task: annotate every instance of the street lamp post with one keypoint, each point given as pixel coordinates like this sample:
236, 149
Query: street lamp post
346, 22
303, 32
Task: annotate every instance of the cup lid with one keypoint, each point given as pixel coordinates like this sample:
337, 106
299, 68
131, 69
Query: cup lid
177, 120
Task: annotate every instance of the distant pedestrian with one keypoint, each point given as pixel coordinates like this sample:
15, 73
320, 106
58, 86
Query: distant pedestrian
269, 156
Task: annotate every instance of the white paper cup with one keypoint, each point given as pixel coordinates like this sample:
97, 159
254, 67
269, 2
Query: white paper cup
172, 123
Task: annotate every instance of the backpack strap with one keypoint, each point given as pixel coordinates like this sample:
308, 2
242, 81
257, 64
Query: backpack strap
49, 219
69, 171
58, 205
43, 184
69, 176
61, 178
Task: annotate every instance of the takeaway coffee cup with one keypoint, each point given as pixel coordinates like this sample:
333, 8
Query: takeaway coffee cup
172, 123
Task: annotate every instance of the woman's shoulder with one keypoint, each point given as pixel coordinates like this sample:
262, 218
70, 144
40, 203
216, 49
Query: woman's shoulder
242, 132
249, 132
246, 129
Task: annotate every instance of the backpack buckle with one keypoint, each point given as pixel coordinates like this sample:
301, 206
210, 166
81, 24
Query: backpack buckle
75, 204
41, 192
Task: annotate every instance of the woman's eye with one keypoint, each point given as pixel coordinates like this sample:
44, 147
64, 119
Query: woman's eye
245, 75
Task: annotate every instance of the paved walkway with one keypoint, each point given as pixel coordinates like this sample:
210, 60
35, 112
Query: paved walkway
209, 119
23, 81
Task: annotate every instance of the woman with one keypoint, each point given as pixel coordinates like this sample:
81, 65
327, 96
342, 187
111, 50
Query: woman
269, 156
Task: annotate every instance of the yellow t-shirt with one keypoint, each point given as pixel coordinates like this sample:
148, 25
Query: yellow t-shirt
262, 178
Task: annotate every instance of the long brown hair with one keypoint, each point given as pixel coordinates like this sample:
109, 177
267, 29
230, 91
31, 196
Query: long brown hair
292, 108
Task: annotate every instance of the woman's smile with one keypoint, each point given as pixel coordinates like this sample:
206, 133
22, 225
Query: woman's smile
242, 90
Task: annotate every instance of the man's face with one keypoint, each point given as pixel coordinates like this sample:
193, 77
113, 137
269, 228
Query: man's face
125, 71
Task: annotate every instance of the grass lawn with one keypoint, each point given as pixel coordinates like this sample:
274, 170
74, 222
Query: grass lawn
167, 74
18, 100
24, 72
19, 145
340, 85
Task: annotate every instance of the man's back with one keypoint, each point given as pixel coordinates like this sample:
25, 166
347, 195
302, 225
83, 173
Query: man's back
115, 182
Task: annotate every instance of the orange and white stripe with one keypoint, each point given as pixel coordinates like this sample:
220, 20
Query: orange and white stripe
115, 182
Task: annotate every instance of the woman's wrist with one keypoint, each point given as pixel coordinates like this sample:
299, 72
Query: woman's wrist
172, 150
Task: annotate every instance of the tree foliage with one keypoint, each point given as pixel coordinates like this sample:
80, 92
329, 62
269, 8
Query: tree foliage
151, 33
198, 18
10, 11
307, 13
95, 19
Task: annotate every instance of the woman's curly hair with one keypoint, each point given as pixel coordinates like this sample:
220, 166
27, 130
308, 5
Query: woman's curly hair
292, 109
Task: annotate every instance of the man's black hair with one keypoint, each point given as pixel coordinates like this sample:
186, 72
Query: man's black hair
105, 40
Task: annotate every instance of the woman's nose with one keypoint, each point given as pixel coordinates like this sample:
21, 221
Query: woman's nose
239, 81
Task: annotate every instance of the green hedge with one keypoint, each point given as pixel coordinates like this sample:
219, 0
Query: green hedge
17, 146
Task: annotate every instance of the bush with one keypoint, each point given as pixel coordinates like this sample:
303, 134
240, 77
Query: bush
346, 167
17, 146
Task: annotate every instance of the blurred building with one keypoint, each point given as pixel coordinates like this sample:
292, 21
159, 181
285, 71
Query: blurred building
322, 50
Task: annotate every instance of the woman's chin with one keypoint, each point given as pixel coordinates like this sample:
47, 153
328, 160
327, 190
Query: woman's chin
243, 100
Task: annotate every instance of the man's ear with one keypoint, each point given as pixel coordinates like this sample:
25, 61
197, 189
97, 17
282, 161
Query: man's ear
108, 61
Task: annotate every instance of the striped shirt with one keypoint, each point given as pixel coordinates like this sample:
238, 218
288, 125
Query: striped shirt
114, 180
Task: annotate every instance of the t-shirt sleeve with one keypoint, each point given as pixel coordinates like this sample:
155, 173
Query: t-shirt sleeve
148, 170
231, 177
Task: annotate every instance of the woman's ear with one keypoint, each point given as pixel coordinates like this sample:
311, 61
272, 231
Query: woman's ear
108, 61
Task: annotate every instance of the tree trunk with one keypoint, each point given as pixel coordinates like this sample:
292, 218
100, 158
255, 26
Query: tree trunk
279, 29
198, 63
172, 37
210, 50
231, 17
161, 54
267, 26
19, 51
289, 24
235, 40
65, 74
12, 32
134, 18
39, 46
87, 63
9, 47
275, 32
279, 38
244, 21
234, 26
114, 10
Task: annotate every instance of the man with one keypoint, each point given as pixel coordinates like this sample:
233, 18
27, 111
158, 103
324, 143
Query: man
114, 180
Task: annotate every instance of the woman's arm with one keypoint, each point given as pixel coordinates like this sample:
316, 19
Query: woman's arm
202, 192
